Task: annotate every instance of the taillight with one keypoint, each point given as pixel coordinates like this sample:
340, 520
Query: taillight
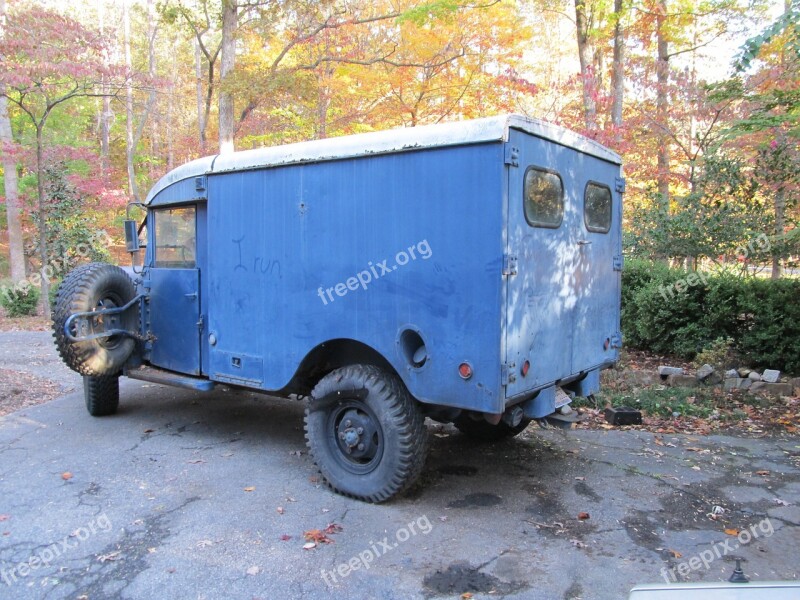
465, 370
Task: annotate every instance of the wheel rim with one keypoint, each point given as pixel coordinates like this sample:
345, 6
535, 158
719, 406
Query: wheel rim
106, 322
355, 437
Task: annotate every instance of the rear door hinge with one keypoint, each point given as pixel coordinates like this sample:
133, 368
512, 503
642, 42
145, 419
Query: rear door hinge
509, 264
619, 184
507, 374
200, 323
618, 262
512, 155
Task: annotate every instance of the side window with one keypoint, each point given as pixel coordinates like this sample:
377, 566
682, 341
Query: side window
175, 238
544, 198
597, 207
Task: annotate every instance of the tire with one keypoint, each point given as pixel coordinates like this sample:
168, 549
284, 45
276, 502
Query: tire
385, 430
486, 432
93, 287
101, 395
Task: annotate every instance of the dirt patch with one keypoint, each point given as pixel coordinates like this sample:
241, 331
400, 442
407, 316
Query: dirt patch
20, 390
34, 323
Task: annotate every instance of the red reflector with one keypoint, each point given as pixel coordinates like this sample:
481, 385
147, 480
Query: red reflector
606, 344
465, 370
525, 368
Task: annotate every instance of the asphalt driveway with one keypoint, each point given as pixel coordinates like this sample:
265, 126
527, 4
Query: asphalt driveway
185, 495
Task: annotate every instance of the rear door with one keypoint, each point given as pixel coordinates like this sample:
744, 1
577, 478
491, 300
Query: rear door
174, 282
563, 240
543, 244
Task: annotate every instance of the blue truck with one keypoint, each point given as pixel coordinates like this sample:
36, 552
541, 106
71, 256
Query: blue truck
465, 272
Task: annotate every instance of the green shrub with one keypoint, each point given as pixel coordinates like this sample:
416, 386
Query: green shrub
19, 299
760, 316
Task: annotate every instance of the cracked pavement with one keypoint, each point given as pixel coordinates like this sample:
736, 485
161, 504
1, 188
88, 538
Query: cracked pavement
155, 505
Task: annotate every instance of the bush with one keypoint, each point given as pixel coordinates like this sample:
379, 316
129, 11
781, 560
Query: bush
670, 311
19, 300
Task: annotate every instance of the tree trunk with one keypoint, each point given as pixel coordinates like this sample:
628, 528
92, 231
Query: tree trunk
662, 106
780, 223
201, 117
45, 283
105, 111
227, 62
133, 189
16, 248
618, 75
586, 58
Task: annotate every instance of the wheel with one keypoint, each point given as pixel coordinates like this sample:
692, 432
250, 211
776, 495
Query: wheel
365, 433
487, 432
95, 286
101, 395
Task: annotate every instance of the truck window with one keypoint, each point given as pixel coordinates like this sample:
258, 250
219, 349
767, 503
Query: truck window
175, 230
544, 198
597, 207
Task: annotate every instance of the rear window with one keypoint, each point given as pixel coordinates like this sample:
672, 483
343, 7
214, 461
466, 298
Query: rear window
175, 238
544, 198
597, 207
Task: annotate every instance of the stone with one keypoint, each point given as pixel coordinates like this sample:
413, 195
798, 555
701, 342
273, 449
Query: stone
732, 383
665, 371
713, 379
771, 376
775, 390
732, 373
704, 372
754, 376
795, 383
680, 380
744, 371
745, 383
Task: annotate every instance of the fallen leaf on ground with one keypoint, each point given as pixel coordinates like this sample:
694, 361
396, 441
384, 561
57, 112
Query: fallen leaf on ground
149, 430
309, 546
280, 510
66, 476
285, 537
250, 488
317, 536
253, 570
204, 543
109, 557
579, 544
580, 479
693, 449
675, 553
762, 472
196, 462
583, 516
4, 517
732, 532
466, 596
333, 528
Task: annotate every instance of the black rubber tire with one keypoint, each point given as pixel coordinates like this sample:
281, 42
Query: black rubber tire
92, 287
486, 432
399, 440
101, 395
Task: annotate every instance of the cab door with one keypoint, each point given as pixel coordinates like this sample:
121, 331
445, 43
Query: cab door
174, 285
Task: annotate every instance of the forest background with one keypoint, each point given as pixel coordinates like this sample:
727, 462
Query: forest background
700, 97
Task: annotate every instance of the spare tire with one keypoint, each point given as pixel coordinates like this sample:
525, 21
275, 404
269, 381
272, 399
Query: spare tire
91, 287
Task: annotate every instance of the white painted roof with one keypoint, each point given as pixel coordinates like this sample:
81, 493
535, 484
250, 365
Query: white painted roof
491, 129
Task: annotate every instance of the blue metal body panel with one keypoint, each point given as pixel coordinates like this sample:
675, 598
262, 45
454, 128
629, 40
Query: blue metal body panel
368, 247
